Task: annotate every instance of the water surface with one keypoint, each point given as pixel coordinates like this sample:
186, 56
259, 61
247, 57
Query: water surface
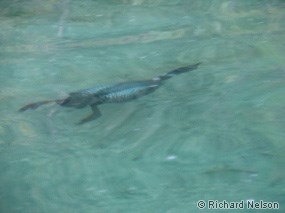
215, 133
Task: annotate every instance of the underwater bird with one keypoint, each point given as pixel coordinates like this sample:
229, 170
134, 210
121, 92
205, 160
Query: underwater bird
113, 93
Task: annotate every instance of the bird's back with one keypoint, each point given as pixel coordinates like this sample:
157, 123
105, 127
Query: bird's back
127, 91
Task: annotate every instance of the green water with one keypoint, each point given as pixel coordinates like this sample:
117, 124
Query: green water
215, 133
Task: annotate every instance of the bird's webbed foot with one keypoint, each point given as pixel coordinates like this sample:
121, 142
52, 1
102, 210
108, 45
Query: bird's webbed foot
95, 114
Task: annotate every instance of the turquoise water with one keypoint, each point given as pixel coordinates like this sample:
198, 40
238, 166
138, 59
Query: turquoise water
215, 133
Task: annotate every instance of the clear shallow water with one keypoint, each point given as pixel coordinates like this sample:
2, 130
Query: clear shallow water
216, 133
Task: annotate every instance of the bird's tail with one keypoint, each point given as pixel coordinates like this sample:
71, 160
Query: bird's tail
178, 71
37, 104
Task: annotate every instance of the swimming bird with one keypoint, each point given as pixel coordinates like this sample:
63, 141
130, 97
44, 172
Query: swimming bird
112, 93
